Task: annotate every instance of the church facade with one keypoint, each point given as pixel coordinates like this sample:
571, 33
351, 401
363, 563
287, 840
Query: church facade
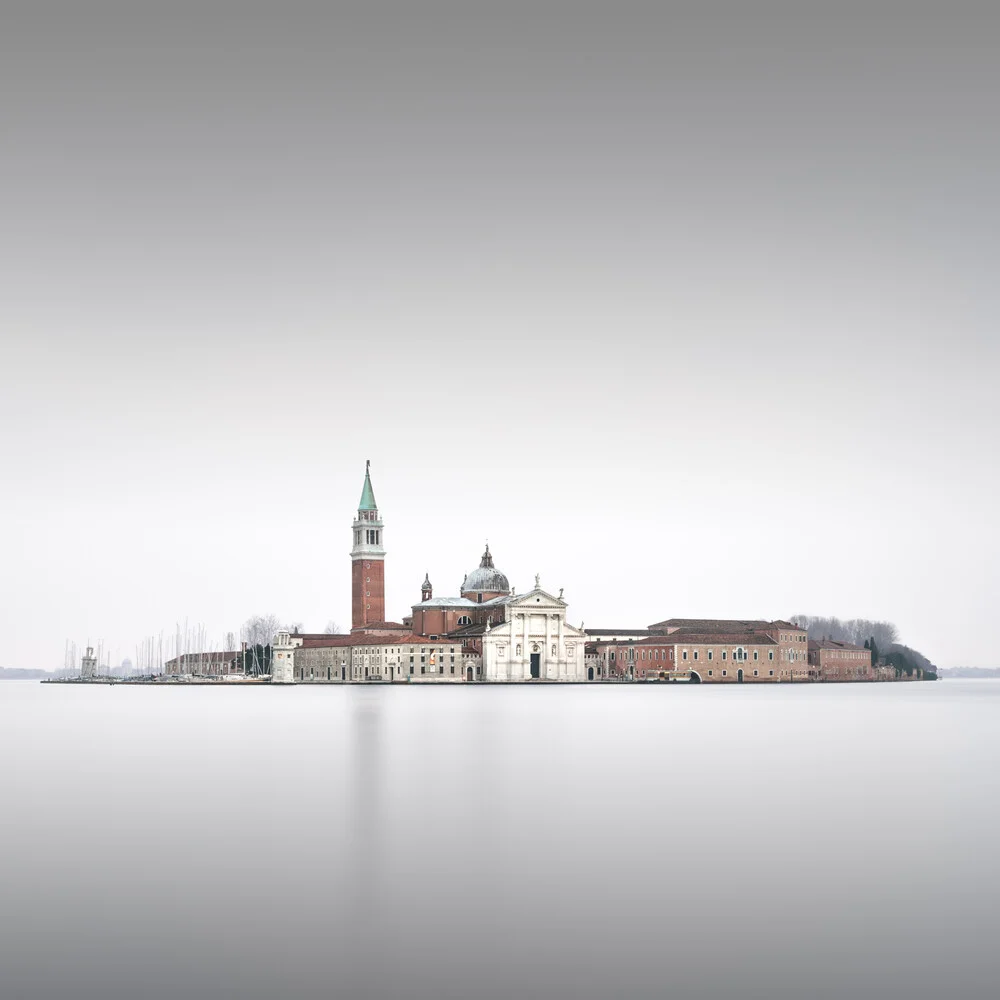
535, 642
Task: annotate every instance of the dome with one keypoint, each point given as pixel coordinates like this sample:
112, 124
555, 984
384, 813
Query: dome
486, 578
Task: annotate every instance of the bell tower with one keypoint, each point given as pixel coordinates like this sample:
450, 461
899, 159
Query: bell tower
367, 562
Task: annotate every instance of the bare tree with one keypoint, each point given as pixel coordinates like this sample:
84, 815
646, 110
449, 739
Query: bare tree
258, 630
332, 628
855, 630
293, 627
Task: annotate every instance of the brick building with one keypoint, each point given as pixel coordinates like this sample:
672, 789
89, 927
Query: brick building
217, 664
840, 661
707, 650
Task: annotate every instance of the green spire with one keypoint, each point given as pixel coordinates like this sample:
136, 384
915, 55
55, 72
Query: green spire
368, 494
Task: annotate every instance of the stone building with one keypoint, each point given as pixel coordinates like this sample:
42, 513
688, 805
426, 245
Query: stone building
88, 665
282, 658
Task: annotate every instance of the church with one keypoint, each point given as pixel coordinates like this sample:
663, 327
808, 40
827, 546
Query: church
487, 633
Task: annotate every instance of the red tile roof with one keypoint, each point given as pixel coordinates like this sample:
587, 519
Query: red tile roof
748, 638
833, 644
316, 641
729, 625
401, 640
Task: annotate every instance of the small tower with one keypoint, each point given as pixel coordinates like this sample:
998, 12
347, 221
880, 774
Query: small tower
367, 562
282, 659
426, 590
88, 665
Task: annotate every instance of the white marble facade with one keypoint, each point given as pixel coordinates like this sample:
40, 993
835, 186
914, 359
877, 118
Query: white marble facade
535, 642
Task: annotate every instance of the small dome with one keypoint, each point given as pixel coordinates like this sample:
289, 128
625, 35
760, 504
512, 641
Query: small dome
487, 578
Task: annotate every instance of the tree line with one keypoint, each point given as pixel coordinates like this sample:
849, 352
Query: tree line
882, 638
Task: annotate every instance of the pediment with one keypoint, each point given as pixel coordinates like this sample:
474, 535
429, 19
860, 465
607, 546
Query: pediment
536, 598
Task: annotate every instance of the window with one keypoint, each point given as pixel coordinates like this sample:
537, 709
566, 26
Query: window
684, 655
755, 673
696, 654
770, 673
755, 654
710, 673
464, 620
770, 656
517, 652
710, 656
723, 656
723, 673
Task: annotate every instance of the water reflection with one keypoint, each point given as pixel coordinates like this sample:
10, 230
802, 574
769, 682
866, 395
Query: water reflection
372, 842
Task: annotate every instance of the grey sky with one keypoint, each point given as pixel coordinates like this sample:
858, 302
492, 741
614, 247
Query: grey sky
690, 308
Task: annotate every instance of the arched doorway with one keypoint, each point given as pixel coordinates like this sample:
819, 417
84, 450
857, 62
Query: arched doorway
468, 674
739, 676
590, 673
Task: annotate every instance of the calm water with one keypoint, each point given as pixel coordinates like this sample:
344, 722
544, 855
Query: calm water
581, 842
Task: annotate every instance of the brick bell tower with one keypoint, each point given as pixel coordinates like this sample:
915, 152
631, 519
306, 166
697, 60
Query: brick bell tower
367, 562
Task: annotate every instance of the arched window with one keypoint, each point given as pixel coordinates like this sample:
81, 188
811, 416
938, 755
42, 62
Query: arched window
517, 651
464, 620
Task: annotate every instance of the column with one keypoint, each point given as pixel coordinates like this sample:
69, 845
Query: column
562, 649
551, 668
525, 649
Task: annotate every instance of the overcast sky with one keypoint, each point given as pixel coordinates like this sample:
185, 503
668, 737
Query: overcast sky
690, 308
